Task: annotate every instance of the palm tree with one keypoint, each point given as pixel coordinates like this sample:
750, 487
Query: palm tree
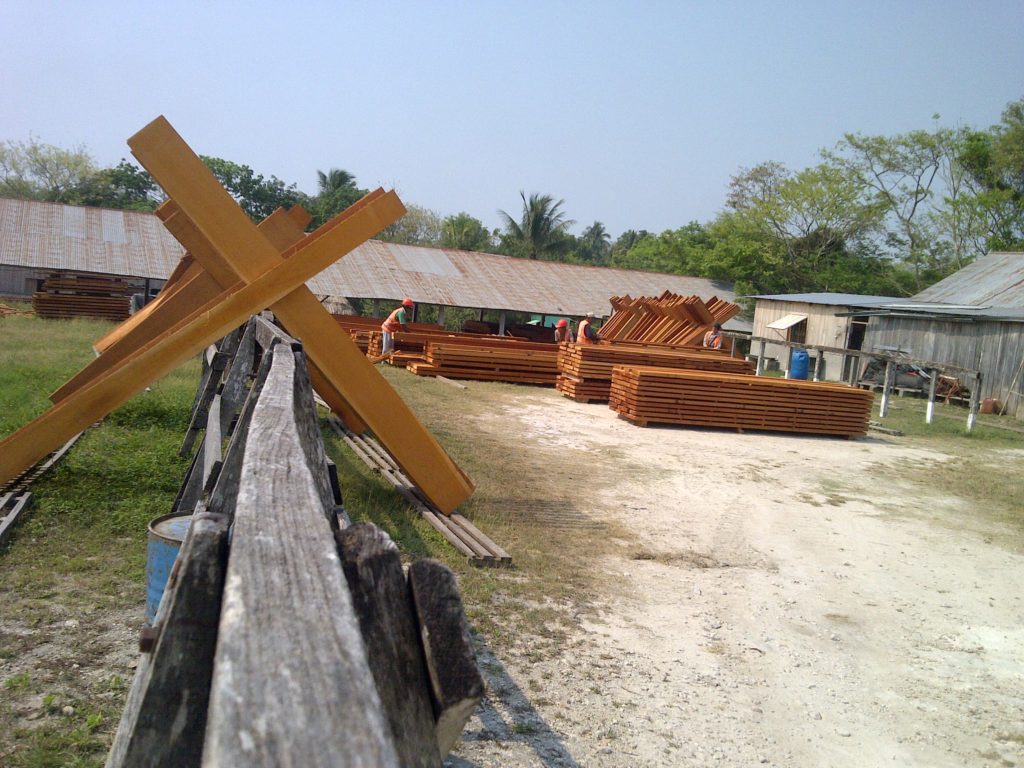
542, 228
334, 179
596, 243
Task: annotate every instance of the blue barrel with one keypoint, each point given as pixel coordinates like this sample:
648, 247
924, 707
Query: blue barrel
798, 364
165, 536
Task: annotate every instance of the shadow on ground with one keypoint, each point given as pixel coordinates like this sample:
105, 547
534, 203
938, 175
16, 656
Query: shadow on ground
508, 720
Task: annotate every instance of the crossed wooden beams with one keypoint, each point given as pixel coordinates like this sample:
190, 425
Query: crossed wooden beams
234, 269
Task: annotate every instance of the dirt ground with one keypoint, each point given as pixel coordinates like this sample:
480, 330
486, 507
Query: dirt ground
787, 601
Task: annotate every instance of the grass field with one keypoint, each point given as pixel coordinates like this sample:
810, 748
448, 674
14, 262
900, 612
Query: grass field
76, 562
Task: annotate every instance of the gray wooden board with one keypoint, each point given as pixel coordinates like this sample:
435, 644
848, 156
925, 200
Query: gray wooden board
455, 681
15, 505
164, 719
291, 684
380, 595
232, 393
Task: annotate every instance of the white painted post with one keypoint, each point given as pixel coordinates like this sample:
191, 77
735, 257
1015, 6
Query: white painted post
930, 409
760, 359
501, 323
440, 314
972, 411
818, 359
883, 407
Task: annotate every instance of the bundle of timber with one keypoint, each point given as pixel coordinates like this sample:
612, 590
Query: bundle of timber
361, 329
665, 319
66, 295
586, 369
490, 359
703, 398
6, 311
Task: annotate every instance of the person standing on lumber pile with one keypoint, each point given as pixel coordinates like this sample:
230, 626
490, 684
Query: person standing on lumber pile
396, 321
562, 331
586, 333
713, 338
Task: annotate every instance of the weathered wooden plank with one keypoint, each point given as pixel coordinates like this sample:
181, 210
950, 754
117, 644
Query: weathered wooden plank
456, 684
283, 695
380, 595
164, 719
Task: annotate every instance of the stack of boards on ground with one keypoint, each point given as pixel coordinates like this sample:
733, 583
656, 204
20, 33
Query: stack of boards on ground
365, 331
702, 398
490, 359
666, 319
67, 295
586, 369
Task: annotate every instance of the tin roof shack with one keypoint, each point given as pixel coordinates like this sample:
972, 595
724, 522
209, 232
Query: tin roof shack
972, 319
816, 320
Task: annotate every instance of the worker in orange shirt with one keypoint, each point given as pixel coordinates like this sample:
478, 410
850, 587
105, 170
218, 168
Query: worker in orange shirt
396, 321
562, 331
713, 338
586, 333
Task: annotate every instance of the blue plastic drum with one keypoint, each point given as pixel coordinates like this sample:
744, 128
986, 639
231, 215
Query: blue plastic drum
799, 364
165, 536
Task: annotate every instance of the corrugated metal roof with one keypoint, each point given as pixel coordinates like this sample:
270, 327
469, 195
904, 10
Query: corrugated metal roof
787, 321
838, 299
995, 280
54, 236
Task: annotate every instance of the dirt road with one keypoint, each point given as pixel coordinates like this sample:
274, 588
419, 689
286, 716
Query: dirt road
786, 601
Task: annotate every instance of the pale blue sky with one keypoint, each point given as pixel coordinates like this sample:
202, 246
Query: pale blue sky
637, 114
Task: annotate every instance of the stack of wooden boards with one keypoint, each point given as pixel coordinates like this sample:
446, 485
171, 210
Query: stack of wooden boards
708, 399
365, 331
67, 295
489, 359
665, 319
586, 369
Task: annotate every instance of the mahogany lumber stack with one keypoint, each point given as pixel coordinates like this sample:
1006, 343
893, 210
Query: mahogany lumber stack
490, 359
586, 369
67, 295
707, 399
665, 319
361, 329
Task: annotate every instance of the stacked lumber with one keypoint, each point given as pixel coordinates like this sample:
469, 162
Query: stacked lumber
708, 399
490, 359
67, 295
6, 311
585, 370
361, 329
665, 319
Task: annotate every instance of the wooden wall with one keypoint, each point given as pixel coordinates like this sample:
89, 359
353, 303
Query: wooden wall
995, 348
823, 329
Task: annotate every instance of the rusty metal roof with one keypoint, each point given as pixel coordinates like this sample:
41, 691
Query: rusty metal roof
54, 236
995, 280
379, 270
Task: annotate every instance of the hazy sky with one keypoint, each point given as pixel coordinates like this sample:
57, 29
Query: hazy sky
636, 113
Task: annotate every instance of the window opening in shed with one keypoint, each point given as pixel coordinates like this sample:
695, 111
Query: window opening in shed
797, 332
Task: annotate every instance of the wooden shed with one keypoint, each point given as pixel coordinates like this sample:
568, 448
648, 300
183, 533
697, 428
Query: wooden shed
815, 320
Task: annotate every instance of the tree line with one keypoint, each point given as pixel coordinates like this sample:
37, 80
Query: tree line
883, 215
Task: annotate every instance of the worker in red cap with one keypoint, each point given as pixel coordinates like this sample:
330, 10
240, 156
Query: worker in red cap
396, 321
562, 331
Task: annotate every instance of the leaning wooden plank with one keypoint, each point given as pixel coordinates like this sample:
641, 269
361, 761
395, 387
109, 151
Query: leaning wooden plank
164, 720
454, 676
33, 441
198, 287
17, 505
380, 595
223, 224
285, 573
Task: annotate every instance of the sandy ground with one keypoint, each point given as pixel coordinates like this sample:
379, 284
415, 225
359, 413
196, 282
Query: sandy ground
789, 601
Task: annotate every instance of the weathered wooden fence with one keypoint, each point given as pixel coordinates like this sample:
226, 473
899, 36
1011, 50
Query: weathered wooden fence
287, 636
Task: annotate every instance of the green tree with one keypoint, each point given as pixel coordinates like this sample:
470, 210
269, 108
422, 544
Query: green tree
125, 186
465, 233
540, 232
37, 171
337, 190
419, 226
594, 245
257, 196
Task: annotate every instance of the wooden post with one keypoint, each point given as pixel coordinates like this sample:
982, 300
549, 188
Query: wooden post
929, 412
760, 359
501, 323
883, 407
819, 359
440, 314
972, 411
